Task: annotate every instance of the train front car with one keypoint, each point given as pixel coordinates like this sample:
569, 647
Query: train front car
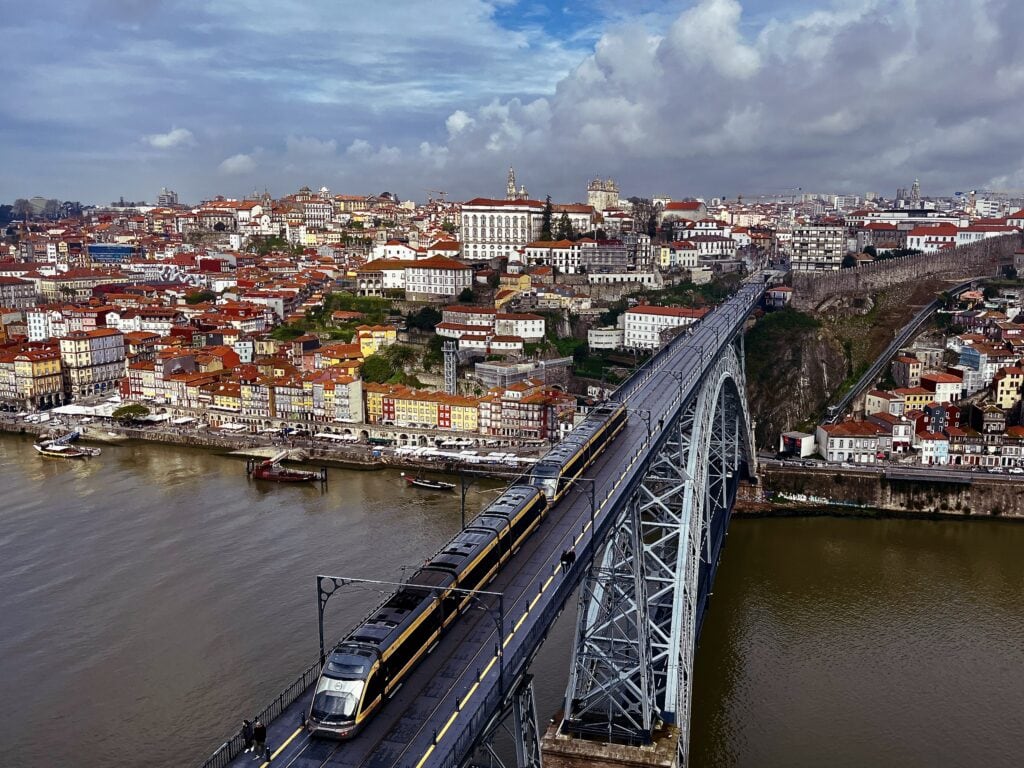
348, 687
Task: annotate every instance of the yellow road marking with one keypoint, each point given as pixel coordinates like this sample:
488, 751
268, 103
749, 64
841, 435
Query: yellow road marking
280, 749
472, 690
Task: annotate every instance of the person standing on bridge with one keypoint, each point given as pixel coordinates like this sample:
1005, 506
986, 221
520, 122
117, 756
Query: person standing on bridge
247, 734
567, 559
259, 732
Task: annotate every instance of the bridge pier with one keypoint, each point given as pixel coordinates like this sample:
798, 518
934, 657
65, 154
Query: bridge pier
561, 751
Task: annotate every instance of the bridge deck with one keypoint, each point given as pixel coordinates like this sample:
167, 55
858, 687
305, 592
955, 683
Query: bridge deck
442, 701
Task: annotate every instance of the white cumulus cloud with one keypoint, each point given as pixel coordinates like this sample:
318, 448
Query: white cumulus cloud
310, 146
361, 149
866, 97
457, 122
176, 137
238, 164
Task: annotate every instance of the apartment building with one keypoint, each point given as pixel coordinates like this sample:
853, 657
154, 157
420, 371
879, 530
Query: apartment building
817, 249
92, 361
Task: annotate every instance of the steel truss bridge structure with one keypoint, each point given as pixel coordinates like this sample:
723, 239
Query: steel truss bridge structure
646, 524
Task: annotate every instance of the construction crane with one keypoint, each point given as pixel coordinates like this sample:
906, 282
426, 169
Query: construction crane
1005, 197
439, 192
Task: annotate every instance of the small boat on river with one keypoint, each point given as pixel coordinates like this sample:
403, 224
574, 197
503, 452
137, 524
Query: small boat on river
271, 470
65, 450
430, 485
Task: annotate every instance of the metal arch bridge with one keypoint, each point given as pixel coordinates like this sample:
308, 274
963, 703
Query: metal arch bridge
646, 524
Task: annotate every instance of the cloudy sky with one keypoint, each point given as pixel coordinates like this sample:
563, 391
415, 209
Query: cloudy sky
104, 98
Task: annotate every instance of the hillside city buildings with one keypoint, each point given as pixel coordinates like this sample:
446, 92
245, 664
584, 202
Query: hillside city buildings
227, 309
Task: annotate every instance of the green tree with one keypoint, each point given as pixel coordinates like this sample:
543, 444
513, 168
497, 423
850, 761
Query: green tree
849, 261
199, 297
287, 332
22, 208
645, 217
424, 320
400, 355
434, 356
377, 369
467, 296
51, 209
565, 230
545, 220
449, 227
871, 251
129, 413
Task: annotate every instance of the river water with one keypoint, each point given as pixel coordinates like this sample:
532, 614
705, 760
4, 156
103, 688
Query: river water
151, 597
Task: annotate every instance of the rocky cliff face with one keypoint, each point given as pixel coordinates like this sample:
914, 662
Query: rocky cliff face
797, 363
794, 363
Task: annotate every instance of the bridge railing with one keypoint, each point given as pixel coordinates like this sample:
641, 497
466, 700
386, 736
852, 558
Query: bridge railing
515, 665
234, 746
518, 662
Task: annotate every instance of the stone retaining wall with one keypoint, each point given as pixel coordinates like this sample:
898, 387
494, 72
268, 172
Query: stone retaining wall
980, 259
857, 493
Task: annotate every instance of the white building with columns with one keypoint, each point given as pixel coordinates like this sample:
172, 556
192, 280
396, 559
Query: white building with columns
493, 229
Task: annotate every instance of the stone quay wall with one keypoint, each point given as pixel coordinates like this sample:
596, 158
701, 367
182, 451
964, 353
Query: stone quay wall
837, 491
981, 259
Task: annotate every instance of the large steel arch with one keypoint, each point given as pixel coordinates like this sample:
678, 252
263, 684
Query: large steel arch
640, 603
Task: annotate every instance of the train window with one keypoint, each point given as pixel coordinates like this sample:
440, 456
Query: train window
546, 477
347, 667
373, 687
336, 698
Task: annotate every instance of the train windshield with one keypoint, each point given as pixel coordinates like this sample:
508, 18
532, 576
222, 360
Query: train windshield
545, 476
336, 699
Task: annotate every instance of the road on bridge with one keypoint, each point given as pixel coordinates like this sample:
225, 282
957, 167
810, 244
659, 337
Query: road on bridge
432, 713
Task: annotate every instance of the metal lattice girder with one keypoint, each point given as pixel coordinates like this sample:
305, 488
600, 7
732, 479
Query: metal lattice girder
686, 486
617, 677
528, 735
611, 687
519, 708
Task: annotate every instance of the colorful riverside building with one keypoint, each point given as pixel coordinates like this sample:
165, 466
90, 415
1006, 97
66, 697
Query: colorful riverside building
401, 406
31, 378
526, 410
92, 361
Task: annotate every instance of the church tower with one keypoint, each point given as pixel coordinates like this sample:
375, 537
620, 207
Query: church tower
510, 188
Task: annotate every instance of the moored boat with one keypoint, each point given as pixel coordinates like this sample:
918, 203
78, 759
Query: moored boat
271, 469
278, 474
430, 485
65, 450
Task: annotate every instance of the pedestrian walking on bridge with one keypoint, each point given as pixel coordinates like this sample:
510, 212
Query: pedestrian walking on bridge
568, 559
247, 735
260, 736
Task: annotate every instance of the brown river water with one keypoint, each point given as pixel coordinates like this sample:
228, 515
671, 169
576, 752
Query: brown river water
151, 597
